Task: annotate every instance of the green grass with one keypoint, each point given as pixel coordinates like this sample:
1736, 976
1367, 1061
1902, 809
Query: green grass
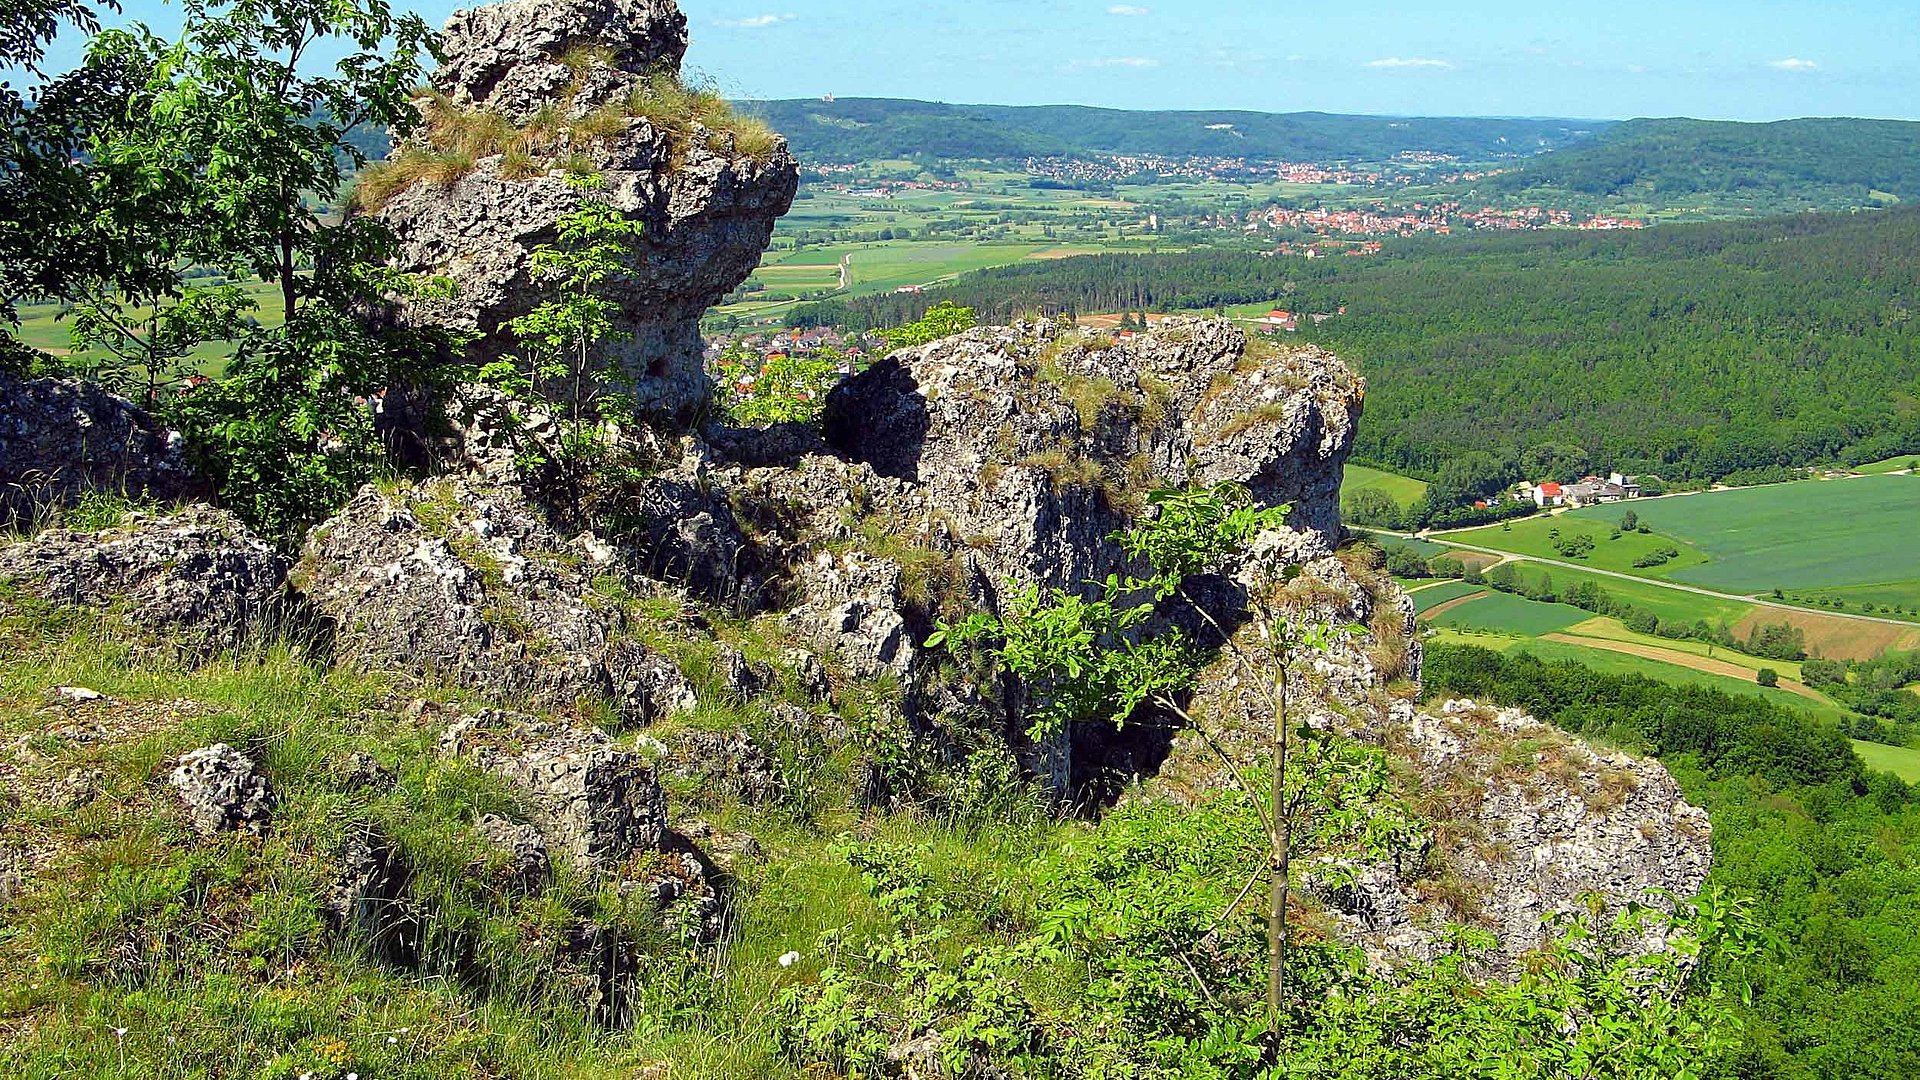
1898, 760
1647, 595
1535, 536
1613, 663
1434, 595
1611, 629
1404, 490
1902, 463
1807, 535
1506, 614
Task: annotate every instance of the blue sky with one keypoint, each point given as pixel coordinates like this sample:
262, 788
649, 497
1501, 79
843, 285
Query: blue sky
1724, 59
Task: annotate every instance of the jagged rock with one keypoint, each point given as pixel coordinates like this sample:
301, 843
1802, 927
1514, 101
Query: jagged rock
853, 606
222, 791
809, 674
362, 771
708, 208
527, 866
594, 800
367, 894
732, 765
60, 438
468, 582
507, 57
195, 582
1038, 442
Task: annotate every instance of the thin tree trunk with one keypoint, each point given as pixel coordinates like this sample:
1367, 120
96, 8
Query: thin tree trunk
1277, 896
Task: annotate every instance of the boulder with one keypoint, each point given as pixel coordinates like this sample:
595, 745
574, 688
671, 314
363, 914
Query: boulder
222, 791
194, 582
524, 851
707, 205
595, 801
468, 582
61, 438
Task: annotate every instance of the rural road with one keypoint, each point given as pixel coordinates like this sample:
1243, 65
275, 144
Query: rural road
1662, 583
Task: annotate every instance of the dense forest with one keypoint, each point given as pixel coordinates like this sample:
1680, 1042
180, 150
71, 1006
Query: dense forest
1691, 352
852, 130
1799, 824
1798, 163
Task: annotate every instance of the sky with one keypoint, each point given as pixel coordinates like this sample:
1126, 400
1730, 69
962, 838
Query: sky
1713, 59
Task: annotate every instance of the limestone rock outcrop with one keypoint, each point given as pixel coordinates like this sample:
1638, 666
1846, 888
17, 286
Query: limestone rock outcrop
470, 583
60, 438
190, 583
222, 791
707, 199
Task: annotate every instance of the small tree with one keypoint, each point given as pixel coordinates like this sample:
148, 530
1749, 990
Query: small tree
943, 320
560, 358
1084, 659
1768, 677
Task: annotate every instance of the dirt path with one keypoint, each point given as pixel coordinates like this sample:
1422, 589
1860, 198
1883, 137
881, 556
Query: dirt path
1703, 664
1438, 610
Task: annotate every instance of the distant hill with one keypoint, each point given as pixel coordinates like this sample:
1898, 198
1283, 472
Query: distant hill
1798, 163
868, 129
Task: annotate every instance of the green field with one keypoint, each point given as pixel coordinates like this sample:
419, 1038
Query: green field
1432, 596
1647, 595
1903, 463
1506, 614
1535, 536
1404, 490
1898, 760
44, 327
1808, 535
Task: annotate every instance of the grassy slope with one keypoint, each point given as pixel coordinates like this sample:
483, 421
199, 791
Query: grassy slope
1903, 463
211, 955
1534, 536
1505, 614
1402, 489
1898, 760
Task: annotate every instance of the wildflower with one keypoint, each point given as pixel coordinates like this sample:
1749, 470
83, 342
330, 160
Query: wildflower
789, 959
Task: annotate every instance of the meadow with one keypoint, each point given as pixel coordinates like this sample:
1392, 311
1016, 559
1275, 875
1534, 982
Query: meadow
1612, 549
1806, 535
1404, 490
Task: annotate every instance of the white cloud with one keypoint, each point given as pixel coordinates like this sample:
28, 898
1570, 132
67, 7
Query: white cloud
1794, 63
1114, 62
1129, 9
756, 22
1395, 63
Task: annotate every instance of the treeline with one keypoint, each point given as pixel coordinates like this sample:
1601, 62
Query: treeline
1690, 352
1796, 163
1819, 843
852, 130
1876, 689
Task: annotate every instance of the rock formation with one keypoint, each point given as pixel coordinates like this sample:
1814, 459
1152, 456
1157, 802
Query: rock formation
469, 583
222, 791
62, 437
190, 583
707, 197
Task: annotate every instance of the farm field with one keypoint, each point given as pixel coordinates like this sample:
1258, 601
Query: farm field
1535, 536
42, 327
1506, 614
1404, 490
1898, 760
1799, 536
1614, 663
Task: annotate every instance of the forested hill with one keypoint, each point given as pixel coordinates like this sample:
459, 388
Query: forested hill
1692, 351
1802, 163
868, 129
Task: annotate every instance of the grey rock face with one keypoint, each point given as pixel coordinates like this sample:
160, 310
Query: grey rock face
594, 800
507, 57
732, 765
196, 581
1037, 443
525, 849
708, 209
222, 791
468, 582
62, 437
